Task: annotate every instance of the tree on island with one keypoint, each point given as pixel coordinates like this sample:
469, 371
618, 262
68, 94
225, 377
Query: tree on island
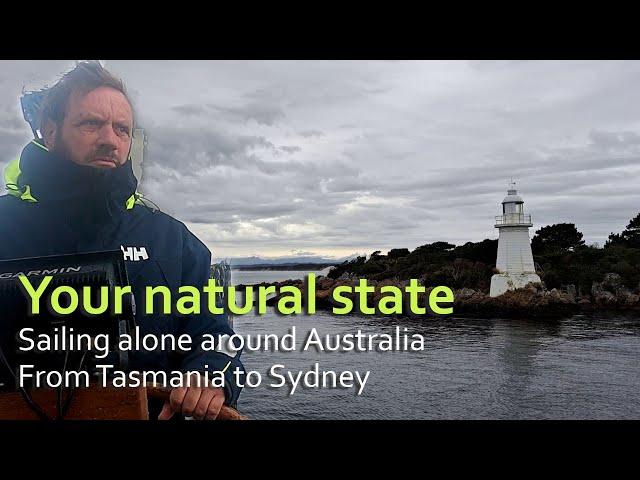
436, 247
630, 237
560, 237
398, 252
485, 251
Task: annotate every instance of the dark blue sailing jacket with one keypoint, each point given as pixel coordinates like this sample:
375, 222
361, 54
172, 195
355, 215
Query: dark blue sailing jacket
56, 207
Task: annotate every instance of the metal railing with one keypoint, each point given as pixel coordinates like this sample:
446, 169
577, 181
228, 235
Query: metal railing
513, 219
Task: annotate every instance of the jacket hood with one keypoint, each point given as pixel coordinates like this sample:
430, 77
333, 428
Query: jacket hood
42, 176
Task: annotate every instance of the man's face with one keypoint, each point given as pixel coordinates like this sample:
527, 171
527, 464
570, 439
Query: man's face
96, 130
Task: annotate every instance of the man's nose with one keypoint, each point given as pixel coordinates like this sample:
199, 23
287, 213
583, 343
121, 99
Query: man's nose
108, 137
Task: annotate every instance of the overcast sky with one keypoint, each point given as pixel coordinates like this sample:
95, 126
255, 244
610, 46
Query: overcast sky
336, 157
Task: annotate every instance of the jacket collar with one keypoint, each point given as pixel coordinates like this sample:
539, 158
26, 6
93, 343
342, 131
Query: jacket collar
42, 176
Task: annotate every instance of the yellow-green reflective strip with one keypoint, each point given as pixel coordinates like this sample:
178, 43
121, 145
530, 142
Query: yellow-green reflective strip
131, 201
40, 145
26, 195
12, 172
11, 175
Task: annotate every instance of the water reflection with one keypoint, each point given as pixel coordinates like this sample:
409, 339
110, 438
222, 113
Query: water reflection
581, 367
470, 368
521, 342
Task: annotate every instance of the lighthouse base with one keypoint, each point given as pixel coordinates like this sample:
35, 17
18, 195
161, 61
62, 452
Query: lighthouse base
501, 282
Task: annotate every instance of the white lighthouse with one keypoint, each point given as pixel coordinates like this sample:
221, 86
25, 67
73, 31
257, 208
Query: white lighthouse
515, 261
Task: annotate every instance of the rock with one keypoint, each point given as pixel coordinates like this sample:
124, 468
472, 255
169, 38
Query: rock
611, 291
464, 293
532, 301
324, 283
632, 299
604, 298
558, 296
596, 289
323, 295
612, 282
534, 287
554, 293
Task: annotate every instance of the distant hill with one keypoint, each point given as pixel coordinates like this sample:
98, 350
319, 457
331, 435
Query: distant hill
289, 261
286, 266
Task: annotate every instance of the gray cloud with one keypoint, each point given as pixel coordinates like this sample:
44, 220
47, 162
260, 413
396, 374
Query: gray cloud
311, 133
290, 149
262, 113
190, 109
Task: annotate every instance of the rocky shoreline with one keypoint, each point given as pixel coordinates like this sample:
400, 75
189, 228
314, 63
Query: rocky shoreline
533, 301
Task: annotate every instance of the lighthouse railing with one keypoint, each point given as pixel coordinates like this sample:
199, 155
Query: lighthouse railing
513, 219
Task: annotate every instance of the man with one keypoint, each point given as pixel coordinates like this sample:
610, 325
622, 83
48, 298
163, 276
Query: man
74, 191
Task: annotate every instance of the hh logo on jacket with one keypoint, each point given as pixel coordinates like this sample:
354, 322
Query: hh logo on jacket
135, 254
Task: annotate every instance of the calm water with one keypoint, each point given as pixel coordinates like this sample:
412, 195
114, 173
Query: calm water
250, 277
578, 368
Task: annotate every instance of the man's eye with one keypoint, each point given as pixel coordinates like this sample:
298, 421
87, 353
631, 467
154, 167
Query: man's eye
123, 130
91, 123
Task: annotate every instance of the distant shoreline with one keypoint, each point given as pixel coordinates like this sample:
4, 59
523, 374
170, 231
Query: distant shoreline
284, 267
